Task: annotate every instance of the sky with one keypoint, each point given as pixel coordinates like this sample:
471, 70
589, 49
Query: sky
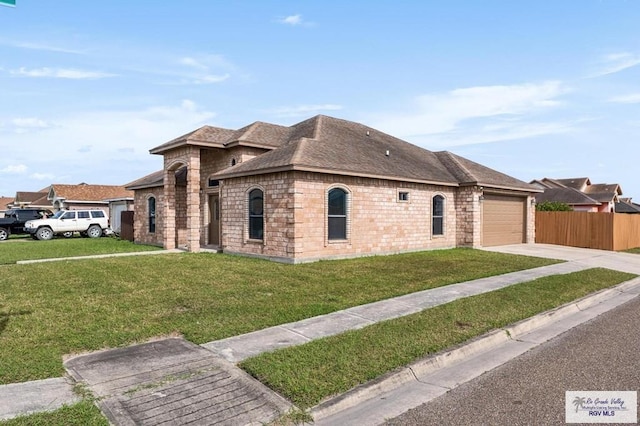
530, 88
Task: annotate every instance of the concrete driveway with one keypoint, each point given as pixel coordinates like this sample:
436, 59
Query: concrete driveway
618, 261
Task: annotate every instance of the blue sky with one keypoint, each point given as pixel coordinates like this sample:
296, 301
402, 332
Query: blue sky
532, 89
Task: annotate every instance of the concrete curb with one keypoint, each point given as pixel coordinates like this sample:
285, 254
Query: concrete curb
479, 345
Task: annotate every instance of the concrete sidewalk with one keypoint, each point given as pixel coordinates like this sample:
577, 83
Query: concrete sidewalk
23, 398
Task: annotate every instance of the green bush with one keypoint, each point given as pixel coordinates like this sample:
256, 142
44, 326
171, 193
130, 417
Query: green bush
553, 206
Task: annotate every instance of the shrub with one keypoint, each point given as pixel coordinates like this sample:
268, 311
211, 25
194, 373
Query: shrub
553, 206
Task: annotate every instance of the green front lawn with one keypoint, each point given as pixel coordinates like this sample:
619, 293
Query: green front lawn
51, 309
309, 373
17, 249
83, 413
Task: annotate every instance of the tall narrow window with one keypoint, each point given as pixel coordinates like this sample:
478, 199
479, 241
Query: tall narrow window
256, 214
337, 220
437, 216
152, 214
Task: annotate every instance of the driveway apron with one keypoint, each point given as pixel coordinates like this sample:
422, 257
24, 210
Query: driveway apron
171, 382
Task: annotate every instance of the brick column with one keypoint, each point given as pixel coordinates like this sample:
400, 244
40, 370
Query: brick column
193, 201
169, 209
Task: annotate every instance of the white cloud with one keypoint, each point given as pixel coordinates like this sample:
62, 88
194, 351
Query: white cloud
472, 113
67, 73
632, 98
303, 110
14, 168
294, 21
29, 123
42, 176
201, 69
616, 62
39, 46
98, 146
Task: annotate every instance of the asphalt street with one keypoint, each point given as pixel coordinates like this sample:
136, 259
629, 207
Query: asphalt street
602, 354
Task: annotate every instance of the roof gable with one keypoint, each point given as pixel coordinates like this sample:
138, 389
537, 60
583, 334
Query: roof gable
577, 183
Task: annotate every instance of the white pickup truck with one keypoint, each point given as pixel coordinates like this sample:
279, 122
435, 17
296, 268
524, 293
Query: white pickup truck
89, 223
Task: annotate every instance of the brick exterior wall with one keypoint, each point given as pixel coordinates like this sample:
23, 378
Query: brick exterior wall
295, 211
295, 208
469, 217
141, 232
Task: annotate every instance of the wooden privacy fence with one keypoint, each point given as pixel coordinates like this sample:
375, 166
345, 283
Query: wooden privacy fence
605, 231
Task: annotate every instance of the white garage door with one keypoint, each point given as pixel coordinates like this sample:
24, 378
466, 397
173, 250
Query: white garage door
503, 220
116, 212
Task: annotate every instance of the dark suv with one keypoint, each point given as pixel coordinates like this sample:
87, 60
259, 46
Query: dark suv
14, 220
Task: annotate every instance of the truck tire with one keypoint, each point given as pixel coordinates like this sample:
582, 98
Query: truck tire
4, 234
94, 231
44, 233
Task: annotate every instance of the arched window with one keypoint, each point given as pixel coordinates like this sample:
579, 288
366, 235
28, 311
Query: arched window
337, 217
152, 214
437, 216
256, 214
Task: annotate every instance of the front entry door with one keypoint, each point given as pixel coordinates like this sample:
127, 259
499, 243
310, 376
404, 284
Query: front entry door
214, 223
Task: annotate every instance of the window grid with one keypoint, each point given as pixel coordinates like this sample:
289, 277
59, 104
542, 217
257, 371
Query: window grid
437, 215
256, 214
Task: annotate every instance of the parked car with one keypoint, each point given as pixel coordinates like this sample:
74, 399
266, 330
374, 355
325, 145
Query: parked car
14, 220
89, 223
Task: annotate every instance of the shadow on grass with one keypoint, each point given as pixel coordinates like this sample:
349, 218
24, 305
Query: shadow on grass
6, 316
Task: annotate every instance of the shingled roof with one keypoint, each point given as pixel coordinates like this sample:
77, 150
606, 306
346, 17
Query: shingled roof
596, 193
87, 192
4, 202
258, 134
331, 145
566, 195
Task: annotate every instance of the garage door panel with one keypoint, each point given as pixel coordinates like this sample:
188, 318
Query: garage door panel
503, 220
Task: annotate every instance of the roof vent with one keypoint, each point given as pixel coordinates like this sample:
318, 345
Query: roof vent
387, 153
367, 133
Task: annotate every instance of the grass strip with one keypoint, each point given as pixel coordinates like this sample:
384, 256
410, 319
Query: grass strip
309, 373
48, 310
80, 414
12, 251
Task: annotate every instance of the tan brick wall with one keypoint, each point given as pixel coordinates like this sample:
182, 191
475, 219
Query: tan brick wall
296, 216
141, 218
469, 217
531, 220
296, 211
278, 219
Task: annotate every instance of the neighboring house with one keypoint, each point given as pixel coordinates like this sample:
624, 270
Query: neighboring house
36, 200
116, 207
579, 193
625, 205
323, 188
86, 196
5, 204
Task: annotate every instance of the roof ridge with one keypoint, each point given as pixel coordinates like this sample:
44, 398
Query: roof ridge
318, 126
297, 152
461, 167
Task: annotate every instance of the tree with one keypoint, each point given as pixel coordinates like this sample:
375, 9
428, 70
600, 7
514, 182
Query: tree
553, 206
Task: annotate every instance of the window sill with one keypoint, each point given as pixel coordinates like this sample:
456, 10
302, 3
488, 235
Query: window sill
338, 241
253, 241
